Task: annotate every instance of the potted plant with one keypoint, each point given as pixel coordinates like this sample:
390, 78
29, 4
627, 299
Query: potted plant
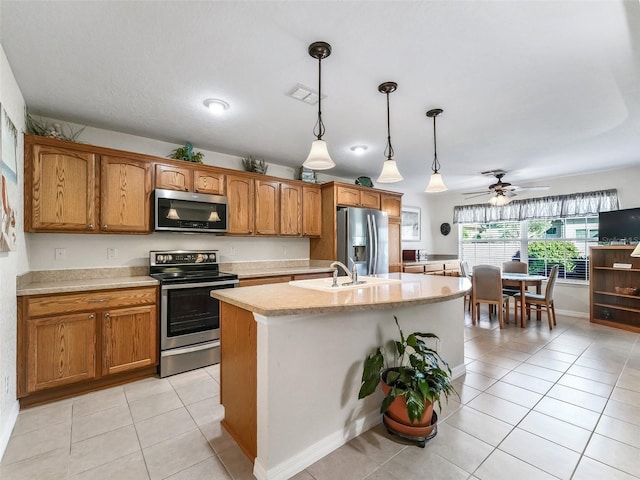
187, 154
418, 378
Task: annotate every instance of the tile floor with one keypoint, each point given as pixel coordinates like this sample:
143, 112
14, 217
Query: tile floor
534, 404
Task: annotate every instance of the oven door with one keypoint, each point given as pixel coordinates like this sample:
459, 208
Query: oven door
188, 313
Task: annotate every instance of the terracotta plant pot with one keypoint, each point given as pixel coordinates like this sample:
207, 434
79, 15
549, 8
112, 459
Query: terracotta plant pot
398, 408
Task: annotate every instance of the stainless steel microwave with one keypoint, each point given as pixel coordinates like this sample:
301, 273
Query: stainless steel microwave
177, 211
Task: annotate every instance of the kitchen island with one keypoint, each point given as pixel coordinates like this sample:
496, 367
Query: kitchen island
292, 360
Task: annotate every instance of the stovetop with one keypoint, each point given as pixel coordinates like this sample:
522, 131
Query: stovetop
187, 266
193, 276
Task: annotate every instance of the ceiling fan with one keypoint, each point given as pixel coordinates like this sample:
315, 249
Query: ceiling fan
502, 192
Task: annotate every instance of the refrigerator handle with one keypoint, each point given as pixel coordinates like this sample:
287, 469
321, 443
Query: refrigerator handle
370, 245
375, 244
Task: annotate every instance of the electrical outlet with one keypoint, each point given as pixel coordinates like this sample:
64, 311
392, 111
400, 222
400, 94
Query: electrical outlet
6, 385
61, 253
232, 251
284, 250
112, 252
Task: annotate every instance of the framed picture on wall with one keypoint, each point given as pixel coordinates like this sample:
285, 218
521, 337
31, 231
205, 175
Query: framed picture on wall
410, 230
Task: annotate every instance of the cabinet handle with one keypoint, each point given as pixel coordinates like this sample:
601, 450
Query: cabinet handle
186, 189
104, 227
90, 226
107, 315
92, 316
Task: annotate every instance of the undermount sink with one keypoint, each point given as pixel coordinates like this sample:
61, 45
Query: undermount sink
324, 284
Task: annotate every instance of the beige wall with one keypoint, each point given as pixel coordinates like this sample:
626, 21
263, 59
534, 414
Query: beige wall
11, 264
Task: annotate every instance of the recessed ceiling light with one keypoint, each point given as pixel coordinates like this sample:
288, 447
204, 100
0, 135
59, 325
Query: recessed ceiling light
359, 149
216, 106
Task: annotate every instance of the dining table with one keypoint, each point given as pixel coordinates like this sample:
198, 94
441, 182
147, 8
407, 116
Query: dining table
523, 280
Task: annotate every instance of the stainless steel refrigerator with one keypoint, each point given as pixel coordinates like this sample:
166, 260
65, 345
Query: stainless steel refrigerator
363, 236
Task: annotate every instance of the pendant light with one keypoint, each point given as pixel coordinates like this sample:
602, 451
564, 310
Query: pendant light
319, 158
435, 182
390, 173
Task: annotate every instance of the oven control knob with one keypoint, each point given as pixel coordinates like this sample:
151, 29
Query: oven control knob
159, 258
168, 258
205, 257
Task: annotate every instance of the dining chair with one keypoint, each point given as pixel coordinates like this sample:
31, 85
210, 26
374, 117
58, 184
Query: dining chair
542, 300
513, 266
487, 288
466, 273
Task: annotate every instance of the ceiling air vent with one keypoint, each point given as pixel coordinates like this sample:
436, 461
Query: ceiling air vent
304, 94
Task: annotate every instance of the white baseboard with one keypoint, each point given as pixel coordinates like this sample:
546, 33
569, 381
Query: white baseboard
458, 371
315, 452
572, 313
7, 428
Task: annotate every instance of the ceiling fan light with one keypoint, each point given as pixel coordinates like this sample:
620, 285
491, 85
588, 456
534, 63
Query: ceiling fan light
435, 184
499, 200
390, 173
319, 158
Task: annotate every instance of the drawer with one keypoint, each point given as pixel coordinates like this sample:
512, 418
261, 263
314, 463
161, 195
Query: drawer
414, 269
90, 301
433, 268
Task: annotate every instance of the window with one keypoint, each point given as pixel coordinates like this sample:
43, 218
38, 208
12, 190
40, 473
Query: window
564, 242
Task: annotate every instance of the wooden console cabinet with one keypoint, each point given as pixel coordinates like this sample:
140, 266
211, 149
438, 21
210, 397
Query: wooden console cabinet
608, 306
69, 343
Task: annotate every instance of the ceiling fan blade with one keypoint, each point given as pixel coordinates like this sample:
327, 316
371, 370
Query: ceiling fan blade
478, 194
484, 192
532, 189
510, 193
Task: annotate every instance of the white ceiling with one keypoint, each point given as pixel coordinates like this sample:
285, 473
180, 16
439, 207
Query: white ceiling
539, 89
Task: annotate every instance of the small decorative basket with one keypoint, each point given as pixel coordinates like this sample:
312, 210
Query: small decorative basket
626, 290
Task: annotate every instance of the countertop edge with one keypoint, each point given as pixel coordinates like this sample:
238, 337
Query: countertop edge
73, 286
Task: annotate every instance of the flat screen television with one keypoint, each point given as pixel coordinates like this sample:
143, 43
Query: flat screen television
619, 226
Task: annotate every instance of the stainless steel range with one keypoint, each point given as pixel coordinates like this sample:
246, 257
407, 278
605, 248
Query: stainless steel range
189, 317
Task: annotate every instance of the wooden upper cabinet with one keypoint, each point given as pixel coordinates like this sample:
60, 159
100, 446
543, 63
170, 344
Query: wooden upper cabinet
125, 195
392, 204
348, 196
212, 183
171, 177
189, 179
357, 197
60, 189
395, 244
370, 199
267, 207
311, 211
291, 203
240, 204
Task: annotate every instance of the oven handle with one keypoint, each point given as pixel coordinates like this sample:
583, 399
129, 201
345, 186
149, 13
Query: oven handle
197, 348
196, 285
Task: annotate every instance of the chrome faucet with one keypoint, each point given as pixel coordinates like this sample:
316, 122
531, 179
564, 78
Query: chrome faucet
335, 272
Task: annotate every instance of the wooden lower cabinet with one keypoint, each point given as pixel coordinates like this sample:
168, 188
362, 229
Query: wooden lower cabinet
72, 343
129, 339
61, 350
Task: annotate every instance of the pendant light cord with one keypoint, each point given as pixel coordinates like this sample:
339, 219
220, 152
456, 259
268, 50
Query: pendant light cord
388, 151
436, 164
319, 127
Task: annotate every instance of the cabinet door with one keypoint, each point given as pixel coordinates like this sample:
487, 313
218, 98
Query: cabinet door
61, 350
125, 187
211, 183
348, 196
370, 199
392, 204
62, 196
267, 207
395, 262
241, 208
311, 211
170, 177
129, 339
290, 209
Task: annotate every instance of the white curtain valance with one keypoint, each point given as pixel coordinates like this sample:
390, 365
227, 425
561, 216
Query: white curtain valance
557, 206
